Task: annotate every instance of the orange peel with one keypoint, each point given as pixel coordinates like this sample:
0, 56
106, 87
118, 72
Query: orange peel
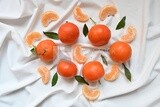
113, 74
108, 10
77, 55
80, 15
31, 37
130, 35
90, 93
45, 74
48, 16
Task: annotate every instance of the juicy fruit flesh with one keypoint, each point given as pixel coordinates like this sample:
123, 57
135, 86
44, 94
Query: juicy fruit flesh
113, 74
78, 56
79, 15
31, 37
120, 52
130, 35
48, 17
45, 74
107, 11
99, 35
93, 71
89, 93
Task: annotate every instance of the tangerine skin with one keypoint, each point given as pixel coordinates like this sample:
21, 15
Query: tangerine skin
66, 68
68, 33
99, 35
47, 50
93, 71
120, 52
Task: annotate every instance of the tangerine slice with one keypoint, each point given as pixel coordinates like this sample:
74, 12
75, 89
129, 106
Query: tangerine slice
130, 35
108, 10
45, 74
78, 56
80, 15
90, 93
31, 37
48, 16
113, 74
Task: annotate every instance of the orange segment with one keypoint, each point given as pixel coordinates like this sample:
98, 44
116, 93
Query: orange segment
31, 37
80, 15
77, 55
45, 74
108, 10
130, 35
90, 93
48, 17
113, 74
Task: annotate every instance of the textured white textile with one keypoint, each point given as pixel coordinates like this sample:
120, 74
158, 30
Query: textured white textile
21, 85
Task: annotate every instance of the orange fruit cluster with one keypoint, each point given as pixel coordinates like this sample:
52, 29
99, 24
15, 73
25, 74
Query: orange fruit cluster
98, 35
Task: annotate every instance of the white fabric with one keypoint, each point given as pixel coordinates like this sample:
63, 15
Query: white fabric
21, 85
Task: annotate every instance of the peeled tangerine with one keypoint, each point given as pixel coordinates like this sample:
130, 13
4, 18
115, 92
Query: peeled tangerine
45, 74
78, 56
48, 17
108, 10
113, 74
31, 37
80, 15
90, 93
130, 35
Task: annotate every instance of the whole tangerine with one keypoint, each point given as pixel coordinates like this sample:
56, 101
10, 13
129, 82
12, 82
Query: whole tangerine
120, 52
68, 33
47, 50
93, 71
99, 35
66, 68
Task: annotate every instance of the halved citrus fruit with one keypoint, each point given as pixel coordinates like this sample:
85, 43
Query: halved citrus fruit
79, 14
48, 17
108, 10
77, 55
113, 74
45, 74
130, 35
90, 93
31, 37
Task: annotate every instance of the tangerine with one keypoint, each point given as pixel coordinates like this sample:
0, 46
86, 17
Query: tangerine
99, 35
47, 50
93, 71
68, 33
120, 52
66, 68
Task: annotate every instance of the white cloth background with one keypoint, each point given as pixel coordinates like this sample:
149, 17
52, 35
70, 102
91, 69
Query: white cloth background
20, 84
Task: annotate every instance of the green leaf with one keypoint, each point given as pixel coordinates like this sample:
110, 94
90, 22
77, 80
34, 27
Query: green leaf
80, 79
33, 50
104, 60
54, 79
85, 30
51, 35
121, 24
127, 72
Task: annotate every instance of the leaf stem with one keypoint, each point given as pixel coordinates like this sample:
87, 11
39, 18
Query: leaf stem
92, 20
